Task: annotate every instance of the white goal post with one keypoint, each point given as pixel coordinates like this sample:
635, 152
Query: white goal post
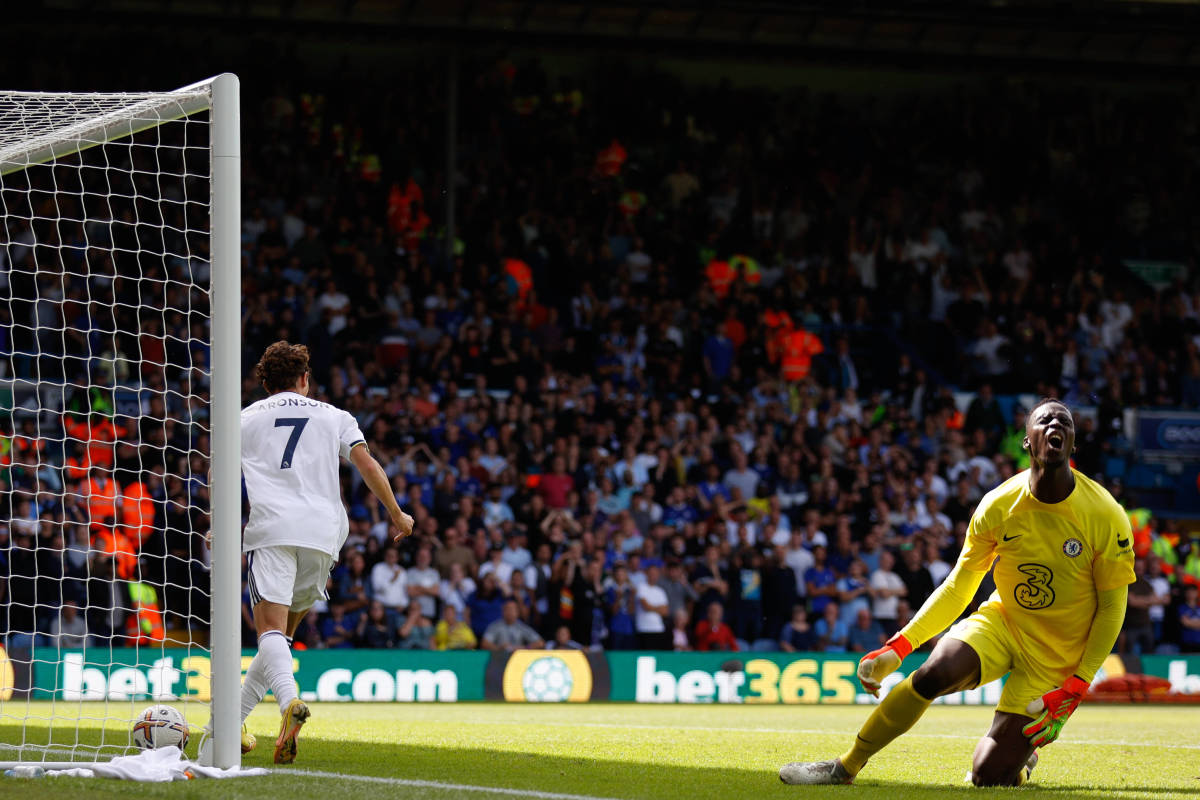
120, 397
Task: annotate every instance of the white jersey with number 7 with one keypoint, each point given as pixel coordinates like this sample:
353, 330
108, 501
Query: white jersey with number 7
291, 446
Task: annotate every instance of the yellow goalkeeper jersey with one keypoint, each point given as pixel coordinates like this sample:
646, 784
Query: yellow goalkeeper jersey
1051, 559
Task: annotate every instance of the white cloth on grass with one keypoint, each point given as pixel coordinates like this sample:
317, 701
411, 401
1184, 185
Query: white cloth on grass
155, 766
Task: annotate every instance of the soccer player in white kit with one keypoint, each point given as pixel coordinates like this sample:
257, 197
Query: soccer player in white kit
291, 447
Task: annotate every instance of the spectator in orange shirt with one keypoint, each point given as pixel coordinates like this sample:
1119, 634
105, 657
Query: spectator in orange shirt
99, 434
137, 510
76, 466
100, 492
776, 324
112, 542
27, 446
799, 347
400, 205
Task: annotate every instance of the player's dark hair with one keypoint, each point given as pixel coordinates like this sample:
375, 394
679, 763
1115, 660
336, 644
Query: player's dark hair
1044, 401
1047, 399
281, 366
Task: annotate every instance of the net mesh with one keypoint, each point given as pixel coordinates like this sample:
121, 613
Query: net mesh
104, 408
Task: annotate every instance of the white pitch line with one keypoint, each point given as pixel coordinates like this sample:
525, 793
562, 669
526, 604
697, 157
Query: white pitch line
799, 731
448, 787
465, 787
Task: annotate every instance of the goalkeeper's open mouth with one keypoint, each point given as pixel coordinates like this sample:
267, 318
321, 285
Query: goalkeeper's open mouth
1055, 440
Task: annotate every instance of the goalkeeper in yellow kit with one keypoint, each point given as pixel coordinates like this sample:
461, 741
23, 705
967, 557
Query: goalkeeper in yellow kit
1064, 559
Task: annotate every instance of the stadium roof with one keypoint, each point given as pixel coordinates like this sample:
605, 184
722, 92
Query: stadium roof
1121, 35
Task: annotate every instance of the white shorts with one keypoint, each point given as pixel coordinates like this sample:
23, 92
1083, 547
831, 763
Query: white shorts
288, 575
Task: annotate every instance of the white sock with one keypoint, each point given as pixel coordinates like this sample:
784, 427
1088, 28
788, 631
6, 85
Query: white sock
277, 667
254, 685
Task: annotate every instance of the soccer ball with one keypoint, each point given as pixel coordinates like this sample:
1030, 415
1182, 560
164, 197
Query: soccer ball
160, 726
547, 680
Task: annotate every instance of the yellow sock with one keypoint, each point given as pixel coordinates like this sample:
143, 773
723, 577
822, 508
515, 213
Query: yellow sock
898, 712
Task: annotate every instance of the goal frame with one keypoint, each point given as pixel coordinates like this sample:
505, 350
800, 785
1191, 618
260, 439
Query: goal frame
220, 96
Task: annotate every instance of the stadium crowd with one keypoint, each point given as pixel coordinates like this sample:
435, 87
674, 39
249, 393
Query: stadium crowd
685, 379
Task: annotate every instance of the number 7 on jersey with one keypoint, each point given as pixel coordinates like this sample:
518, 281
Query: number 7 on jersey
297, 425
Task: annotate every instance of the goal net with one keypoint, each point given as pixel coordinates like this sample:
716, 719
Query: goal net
119, 374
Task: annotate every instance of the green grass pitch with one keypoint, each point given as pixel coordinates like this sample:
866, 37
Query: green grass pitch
561, 752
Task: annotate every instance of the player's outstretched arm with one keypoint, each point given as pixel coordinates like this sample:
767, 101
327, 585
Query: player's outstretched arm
1052, 710
942, 608
377, 481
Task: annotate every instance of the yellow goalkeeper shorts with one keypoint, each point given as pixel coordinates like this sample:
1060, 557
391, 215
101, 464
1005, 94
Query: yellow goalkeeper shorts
988, 635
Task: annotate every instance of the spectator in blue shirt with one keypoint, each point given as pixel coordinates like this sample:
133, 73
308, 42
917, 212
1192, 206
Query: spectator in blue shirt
611, 503
419, 475
831, 632
354, 588
608, 363
496, 512
466, 483
762, 466
718, 356
454, 442
621, 595
1189, 619
339, 630
854, 591
910, 526
792, 492
713, 487
678, 512
820, 582
797, 636
865, 634
844, 551
486, 604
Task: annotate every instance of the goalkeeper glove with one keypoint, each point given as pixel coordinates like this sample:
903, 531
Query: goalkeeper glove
1051, 711
878, 664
